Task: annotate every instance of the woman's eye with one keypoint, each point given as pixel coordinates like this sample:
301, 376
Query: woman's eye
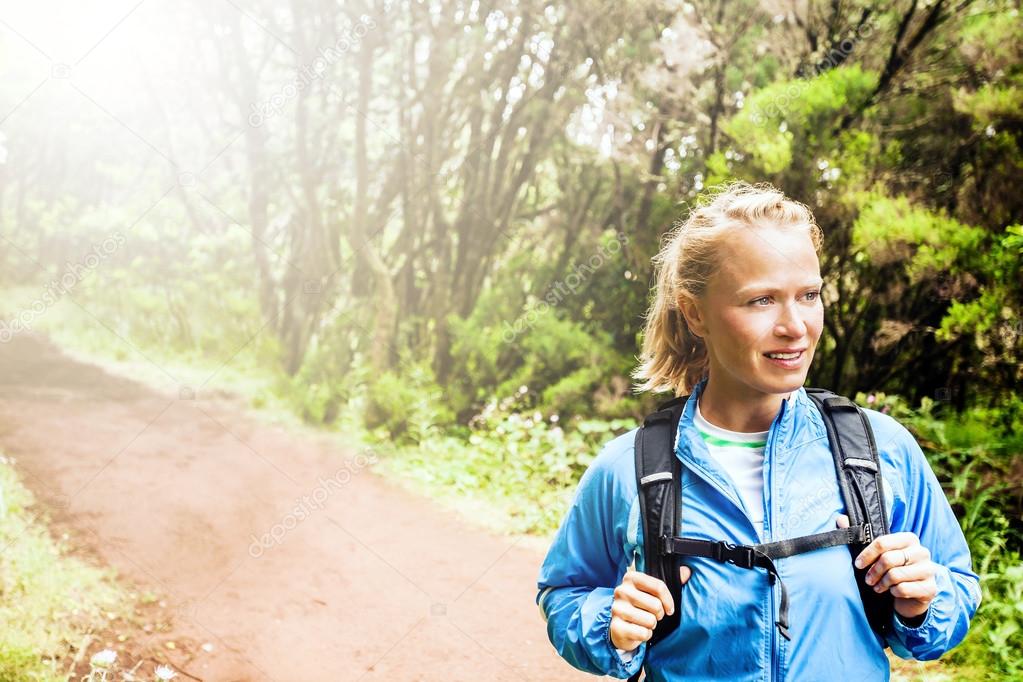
814, 295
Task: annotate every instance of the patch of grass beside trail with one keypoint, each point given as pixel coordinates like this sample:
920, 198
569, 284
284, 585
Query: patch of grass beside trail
61, 618
49, 602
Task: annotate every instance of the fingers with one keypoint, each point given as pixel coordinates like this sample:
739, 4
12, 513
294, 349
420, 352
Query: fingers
684, 573
923, 590
897, 558
885, 543
634, 611
628, 636
629, 593
640, 601
904, 574
842, 521
652, 586
902, 566
633, 614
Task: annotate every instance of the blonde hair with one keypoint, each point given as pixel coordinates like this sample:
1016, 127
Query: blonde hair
673, 358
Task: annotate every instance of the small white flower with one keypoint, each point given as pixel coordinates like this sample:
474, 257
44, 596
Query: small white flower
523, 388
164, 672
103, 658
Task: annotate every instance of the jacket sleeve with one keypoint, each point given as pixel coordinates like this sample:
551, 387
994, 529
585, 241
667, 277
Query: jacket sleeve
589, 555
927, 514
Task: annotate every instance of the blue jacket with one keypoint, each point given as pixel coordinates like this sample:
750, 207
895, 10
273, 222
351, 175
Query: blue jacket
727, 613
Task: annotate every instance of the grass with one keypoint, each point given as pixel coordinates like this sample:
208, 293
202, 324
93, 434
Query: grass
50, 602
63, 619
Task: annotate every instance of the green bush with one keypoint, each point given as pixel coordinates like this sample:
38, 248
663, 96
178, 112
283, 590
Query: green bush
534, 346
406, 407
328, 378
975, 455
519, 462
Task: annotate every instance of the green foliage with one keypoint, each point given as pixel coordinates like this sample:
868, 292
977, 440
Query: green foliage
536, 346
328, 379
981, 315
518, 461
990, 105
975, 455
406, 407
991, 319
48, 600
562, 356
787, 117
996, 638
923, 241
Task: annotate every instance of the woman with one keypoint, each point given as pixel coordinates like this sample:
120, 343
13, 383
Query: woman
735, 321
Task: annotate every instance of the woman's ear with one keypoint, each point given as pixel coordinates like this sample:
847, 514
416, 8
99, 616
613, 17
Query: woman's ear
690, 308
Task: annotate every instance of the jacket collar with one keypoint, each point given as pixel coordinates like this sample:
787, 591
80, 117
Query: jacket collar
779, 436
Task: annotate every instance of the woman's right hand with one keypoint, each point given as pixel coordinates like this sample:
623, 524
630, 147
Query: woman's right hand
640, 601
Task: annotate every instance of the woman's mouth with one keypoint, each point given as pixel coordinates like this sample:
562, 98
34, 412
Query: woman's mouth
786, 359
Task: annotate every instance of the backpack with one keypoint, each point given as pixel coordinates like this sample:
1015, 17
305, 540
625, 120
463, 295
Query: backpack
658, 476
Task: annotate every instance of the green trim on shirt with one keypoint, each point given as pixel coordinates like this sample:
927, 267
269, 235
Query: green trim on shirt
714, 440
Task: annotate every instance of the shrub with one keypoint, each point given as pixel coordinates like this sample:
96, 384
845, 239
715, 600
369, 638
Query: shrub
975, 455
406, 407
520, 462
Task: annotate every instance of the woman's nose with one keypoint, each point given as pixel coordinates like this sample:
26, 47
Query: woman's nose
790, 322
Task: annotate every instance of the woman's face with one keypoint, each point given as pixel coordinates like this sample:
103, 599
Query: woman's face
763, 300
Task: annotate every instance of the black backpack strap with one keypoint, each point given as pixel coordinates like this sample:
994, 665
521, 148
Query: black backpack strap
658, 473
858, 467
763, 556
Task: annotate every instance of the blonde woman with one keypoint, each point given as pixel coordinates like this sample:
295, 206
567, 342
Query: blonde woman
734, 324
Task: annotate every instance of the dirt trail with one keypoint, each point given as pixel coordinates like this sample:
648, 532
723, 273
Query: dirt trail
375, 585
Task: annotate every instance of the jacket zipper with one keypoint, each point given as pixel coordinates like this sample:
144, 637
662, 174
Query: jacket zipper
775, 673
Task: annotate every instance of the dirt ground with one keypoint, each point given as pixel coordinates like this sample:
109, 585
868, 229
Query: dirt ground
355, 579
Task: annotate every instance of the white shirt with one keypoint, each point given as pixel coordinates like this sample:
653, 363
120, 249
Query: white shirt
741, 455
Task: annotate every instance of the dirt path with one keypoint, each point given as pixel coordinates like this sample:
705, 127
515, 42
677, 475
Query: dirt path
367, 583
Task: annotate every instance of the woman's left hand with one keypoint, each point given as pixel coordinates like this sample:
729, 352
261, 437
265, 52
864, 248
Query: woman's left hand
899, 563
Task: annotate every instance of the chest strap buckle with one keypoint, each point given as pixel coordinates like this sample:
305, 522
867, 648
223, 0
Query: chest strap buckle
738, 555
